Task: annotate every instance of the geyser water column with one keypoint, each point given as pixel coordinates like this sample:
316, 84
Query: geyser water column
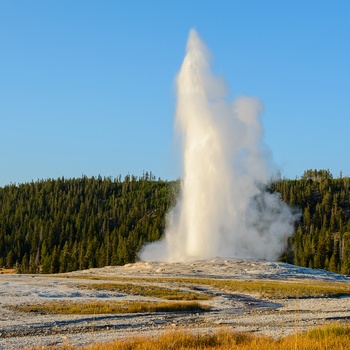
222, 210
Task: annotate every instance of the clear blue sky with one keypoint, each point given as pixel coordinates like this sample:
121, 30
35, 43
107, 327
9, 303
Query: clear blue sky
87, 87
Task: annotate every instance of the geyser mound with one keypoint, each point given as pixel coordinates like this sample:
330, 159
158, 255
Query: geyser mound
223, 209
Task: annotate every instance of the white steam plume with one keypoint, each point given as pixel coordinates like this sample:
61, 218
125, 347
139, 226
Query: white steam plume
223, 210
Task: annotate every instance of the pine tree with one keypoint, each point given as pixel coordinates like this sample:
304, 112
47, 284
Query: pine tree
55, 263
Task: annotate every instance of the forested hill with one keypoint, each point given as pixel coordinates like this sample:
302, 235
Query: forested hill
69, 224
64, 225
322, 238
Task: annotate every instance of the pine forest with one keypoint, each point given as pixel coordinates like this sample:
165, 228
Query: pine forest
62, 225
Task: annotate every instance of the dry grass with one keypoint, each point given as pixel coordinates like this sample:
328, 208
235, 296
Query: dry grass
108, 307
280, 289
152, 291
262, 288
328, 337
4, 271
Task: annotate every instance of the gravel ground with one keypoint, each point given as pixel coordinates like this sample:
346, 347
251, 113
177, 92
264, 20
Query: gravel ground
237, 312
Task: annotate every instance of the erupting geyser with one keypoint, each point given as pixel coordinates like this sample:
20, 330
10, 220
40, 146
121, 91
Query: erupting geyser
223, 209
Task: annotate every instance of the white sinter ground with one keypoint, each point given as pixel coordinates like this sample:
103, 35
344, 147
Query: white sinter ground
237, 312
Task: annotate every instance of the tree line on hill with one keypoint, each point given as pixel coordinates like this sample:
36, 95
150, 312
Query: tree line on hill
322, 237
62, 225
71, 224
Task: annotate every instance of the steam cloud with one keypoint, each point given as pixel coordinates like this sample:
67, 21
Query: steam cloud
223, 209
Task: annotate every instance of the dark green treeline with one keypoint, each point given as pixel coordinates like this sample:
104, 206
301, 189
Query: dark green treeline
70, 224
64, 225
322, 238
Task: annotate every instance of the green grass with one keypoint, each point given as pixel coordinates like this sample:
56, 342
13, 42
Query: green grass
108, 307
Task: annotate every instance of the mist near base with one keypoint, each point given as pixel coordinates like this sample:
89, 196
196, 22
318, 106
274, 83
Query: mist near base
223, 209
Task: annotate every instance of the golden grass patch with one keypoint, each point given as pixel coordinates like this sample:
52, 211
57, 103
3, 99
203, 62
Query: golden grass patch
110, 307
262, 288
280, 289
148, 290
4, 271
327, 337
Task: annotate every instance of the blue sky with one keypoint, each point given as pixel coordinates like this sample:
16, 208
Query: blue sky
87, 87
